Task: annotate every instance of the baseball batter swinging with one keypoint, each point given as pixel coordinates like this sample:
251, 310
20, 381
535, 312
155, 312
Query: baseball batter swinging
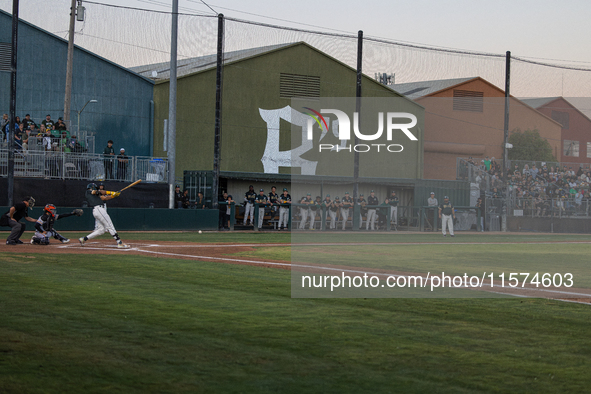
103, 223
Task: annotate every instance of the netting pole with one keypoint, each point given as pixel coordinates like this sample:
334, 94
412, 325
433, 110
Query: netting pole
506, 139
358, 110
218, 113
11, 126
171, 148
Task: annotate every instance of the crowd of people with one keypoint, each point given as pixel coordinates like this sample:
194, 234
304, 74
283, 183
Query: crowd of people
51, 135
540, 191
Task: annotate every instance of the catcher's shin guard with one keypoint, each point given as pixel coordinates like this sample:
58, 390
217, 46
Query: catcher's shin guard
40, 240
59, 237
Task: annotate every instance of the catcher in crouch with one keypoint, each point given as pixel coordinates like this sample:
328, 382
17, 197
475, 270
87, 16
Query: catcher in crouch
96, 198
44, 225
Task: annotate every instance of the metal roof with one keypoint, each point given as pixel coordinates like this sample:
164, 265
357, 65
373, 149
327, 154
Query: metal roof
196, 64
538, 102
415, 90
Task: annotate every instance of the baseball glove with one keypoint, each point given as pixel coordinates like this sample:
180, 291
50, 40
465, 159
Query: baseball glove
78, 212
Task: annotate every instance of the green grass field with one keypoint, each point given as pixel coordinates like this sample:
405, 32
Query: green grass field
133, 324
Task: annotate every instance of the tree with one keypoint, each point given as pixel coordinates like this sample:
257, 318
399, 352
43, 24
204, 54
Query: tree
528, 145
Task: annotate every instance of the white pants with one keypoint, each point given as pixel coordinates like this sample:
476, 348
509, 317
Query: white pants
345, 216
283, 217
304, 215
261, 216
312, 215
333, 219
371, 219
361, 219
248, 211
102, 222
394, 215
446, 220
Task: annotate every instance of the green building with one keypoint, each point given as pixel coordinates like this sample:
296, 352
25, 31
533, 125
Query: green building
257, 82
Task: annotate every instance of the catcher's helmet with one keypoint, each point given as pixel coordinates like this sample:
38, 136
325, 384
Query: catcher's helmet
92, 186
50, 208
30, 200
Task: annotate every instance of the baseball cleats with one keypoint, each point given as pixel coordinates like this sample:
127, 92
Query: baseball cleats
65, 241
81, 240
10, 243
123, 246
19, 242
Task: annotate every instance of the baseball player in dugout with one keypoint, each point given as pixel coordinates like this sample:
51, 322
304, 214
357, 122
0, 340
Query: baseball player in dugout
346, 204
306, 201
284, 200
274, 200
96, 199
44, 225
249, 197
328, 204
393, 201
263, 201
372, 212
447, 214
12, 219
363, 210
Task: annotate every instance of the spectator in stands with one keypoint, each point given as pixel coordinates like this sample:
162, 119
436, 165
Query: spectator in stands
487, 163
185, 199
108, 156
34, 130
48, 122
60, 125
47, 139
28, 121
4, 121
200, 202
178, 197
64, 142
75, 145
122, 161
534, 171
18, 139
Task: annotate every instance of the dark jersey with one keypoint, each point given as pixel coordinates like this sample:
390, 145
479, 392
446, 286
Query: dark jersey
446, 208
284, 199
393, 201
361, 201
93, 199
21, 211
347, 202
273, 198
373, 200
250, 196
261, 199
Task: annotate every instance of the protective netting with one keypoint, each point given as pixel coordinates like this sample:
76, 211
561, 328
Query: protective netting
133, 37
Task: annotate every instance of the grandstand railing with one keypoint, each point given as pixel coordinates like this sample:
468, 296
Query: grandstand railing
33, 163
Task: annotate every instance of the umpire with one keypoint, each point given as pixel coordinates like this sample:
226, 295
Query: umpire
12, 219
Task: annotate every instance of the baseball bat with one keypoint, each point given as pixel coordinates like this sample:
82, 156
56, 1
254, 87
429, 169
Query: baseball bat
133, 184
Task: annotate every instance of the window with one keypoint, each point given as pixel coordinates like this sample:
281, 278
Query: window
293, 85
561, 117
467, 100
5, 56
571, 148
588, 149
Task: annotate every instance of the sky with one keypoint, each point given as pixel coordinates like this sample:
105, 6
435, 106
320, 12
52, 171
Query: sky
528, 28
541, 30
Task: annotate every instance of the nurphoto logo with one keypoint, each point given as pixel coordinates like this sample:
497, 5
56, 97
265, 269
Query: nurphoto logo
343, 124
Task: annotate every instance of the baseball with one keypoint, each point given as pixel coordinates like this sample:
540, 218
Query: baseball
200, 232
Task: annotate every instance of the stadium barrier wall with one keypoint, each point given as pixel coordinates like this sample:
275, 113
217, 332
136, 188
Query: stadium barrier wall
132, 219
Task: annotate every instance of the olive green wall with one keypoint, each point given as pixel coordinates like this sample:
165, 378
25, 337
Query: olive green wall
251, 84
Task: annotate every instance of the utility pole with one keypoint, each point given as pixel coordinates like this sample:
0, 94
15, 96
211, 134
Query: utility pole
172, 104
506, 140
218, 113
12, 120
70, 63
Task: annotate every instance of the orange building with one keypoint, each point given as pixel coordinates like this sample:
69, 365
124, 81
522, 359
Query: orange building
576, 128
465, 117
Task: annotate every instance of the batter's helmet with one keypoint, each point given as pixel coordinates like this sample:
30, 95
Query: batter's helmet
50, 208
92, 186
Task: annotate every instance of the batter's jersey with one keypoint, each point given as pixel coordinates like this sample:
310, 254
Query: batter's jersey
93, 199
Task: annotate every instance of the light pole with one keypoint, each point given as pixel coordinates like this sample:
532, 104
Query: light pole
79, 112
